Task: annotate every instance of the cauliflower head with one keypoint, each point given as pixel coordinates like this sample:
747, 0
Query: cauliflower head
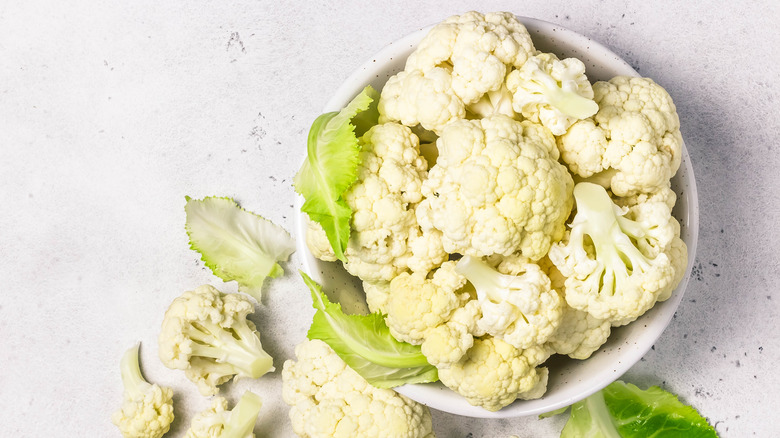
493, 374
518, 306
329, 399
207, 334
147, 410
219, 422
386, 239
416, 304
462, 62
551, 91
617, 262
634, 137
497, 188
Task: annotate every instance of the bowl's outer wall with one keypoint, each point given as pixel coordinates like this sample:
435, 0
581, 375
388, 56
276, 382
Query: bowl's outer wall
570, 380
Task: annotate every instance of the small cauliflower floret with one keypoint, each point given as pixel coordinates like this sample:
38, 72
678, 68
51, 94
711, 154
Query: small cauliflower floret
459, 68
219, 422
207, 334
329, 399
618, 263
634, 137
518, 307
385, 239
416, 304
497, 188
376, 296
318, 243
664, 194
579, 334
493, 374
447, 343
551, 91
147, 410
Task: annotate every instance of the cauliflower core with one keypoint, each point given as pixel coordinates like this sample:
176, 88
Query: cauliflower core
497, 188
329, 399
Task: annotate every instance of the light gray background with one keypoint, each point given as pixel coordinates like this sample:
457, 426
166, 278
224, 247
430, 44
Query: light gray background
111, 114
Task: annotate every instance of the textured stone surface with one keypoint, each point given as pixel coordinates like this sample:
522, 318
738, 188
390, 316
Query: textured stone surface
109, 116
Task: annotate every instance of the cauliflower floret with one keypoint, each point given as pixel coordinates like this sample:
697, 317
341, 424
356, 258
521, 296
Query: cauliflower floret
416, 304
518, 306
147, 410
376, 296
385, 238
618, 263
318, 243
635, 136
207, 334
553, 92
497, 188
579, 334
460, 62
493, 374
329, 399
447, 343
218, 421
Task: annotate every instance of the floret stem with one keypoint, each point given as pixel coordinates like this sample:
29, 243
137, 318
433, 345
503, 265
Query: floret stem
485, 279
597, 216
238, 346
132, 380
566, 101
243, 416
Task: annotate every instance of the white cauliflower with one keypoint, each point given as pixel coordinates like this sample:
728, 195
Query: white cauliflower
634, 138
385, 239
416, 304
493, 374
147, 410
329, 399
579, 334
618, 263
518, 306
551, 91
376, 296
463, 61
497, 188
447, 343
207, 334
219, 422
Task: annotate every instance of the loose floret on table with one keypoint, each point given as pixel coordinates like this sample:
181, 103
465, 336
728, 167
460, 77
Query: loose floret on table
147, 410
219, 422
207, 334
329, 399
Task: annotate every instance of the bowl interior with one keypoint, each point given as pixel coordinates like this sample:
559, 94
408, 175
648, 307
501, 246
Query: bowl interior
570, 380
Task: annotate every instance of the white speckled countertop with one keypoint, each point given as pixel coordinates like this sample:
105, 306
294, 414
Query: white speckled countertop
110, 115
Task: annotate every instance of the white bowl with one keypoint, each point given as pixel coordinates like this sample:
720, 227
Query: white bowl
570, 380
